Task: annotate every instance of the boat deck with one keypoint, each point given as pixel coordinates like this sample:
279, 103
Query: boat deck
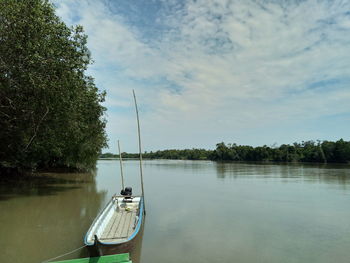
120, 226
117, 222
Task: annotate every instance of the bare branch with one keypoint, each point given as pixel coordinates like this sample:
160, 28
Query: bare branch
36, 130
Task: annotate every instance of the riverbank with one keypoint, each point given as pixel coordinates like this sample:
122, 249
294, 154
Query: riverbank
14, 172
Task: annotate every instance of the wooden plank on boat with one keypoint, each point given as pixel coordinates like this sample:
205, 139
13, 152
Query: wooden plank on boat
118, 224
125, 229
120, 227
118, 258
109, 231
131, 223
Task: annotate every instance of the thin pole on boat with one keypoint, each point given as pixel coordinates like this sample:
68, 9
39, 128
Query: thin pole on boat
138, 128
121, 165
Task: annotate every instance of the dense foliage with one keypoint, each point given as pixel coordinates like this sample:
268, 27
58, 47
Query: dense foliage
50, 111
309, 151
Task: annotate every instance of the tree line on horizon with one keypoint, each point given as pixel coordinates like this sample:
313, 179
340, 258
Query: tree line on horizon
306, 151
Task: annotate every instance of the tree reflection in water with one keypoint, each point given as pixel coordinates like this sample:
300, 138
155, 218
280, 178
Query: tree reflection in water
311, 173
47, 215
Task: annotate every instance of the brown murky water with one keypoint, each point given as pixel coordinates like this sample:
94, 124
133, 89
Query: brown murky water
197, 211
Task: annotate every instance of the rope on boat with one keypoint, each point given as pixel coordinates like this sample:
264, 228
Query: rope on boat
48, 260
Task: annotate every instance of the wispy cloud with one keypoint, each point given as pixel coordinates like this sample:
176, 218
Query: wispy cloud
207, 71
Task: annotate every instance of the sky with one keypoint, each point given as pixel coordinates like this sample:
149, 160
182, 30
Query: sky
241, 71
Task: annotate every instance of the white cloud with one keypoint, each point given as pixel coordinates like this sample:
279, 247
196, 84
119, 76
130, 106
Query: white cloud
220, 68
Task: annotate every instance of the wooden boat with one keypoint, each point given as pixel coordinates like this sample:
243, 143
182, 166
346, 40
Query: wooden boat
116, 227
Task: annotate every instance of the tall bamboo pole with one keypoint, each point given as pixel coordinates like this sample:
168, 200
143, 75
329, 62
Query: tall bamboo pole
139, 134
121, 165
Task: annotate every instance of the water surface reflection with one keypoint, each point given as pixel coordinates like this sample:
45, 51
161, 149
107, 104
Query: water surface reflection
308, 172
46, 215
197, 211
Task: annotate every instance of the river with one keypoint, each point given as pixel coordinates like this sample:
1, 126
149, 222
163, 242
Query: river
197, 211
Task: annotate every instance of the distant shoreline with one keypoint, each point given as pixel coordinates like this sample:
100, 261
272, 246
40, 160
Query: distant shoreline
220, 161
304, 152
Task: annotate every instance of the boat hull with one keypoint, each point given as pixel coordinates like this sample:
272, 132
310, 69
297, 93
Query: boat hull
101, 248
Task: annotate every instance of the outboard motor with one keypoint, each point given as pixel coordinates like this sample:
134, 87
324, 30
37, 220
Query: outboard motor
126, 192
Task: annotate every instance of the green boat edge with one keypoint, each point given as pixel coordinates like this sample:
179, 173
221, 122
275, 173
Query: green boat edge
118, 258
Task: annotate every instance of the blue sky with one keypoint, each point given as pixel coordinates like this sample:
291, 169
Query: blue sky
245, 72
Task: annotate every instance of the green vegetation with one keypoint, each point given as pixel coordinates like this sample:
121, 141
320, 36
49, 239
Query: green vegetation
50, 111
309, 151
